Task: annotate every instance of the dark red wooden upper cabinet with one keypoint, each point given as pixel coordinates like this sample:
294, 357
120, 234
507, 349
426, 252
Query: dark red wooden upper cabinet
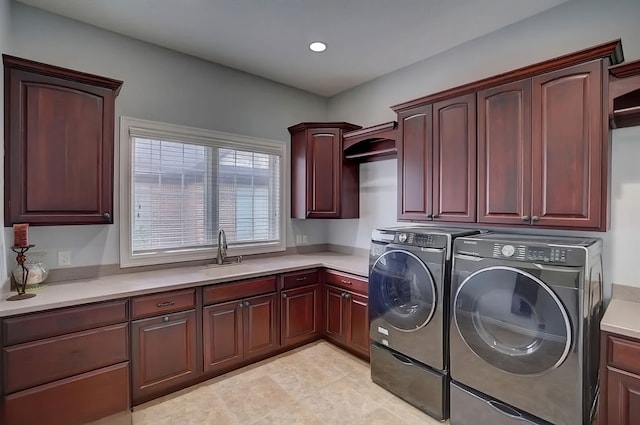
415, 152
59, 143
454, 160
323, 183
504, 154
568, 147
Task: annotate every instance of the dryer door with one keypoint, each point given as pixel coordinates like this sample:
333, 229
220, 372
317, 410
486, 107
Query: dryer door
512, 320
401, 290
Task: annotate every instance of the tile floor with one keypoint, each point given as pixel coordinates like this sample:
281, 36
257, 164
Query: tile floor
318, 384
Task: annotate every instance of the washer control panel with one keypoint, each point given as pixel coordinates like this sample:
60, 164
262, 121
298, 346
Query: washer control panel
547, 254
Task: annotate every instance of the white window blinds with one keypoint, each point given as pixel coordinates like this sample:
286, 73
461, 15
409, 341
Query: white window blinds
182, 191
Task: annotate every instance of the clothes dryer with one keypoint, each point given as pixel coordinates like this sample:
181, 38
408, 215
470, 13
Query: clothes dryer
524, 341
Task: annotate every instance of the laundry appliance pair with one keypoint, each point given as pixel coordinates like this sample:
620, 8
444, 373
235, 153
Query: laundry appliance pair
500, 328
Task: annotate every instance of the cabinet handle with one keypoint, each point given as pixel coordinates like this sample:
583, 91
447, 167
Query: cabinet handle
284, 295
343, 294
435, 216
301, 279
525, 218
165, 304
246, 303
106, 216
346, 282
430, 216
240, 305
347, 296
535, 218
165, 319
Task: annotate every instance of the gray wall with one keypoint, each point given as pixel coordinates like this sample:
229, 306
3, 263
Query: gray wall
5, 6
159, 85
572, 26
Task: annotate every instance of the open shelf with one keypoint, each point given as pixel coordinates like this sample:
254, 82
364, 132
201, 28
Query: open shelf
624, 95
372, 143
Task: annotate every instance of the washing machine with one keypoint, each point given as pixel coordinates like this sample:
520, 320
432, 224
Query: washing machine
524, 344
408, 311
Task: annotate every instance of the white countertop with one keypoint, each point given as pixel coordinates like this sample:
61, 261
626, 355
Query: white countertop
63, 294
622, 317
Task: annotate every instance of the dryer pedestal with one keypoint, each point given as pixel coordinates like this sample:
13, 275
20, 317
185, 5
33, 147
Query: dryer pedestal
417, 384
469, 407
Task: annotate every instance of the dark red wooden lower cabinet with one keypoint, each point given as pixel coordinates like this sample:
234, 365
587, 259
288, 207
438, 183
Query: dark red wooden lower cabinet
72, 401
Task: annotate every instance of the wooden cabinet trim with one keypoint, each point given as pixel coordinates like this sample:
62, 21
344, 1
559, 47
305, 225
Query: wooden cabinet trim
46, 324
610, 51
236, 290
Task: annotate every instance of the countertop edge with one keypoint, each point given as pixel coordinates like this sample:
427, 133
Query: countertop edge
621, 318
86, 291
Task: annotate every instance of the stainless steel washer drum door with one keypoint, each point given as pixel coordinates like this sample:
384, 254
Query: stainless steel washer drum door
402, 290
512, 320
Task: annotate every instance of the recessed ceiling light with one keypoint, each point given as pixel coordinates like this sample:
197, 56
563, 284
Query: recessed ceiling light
318, 46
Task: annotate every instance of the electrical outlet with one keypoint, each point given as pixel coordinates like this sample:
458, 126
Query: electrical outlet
64, 258
304, 239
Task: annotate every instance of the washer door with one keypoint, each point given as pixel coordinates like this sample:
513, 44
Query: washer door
512, 320
403, 290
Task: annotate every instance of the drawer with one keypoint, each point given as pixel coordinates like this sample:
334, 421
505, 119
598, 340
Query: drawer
58, 322
347, 281
165, 302
624, 354
298, 279
35, 363
72, 401
236, 290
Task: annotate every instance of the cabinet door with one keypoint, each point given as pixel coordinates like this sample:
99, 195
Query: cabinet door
358, 322
414, 164
454, 159
59, 149
260, 326
504, 154
300, 314
163, 353
334, 314
623, 398
323, 173
567, 147
222, 335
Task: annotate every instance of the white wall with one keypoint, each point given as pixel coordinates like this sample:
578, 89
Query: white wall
569, 27
5, 6
159, 85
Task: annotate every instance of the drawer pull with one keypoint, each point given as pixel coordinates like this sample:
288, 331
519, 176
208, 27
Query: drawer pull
284, 295
301, 279
166, 304
165, 319
346, 282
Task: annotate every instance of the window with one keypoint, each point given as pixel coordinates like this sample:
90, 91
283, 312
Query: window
179, 185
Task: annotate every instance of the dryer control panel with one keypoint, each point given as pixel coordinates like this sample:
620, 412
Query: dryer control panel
561, 255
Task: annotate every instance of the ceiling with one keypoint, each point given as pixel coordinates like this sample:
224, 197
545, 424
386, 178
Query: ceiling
270, 38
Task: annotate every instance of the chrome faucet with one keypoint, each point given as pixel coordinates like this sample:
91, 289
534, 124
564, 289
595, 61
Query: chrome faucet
222, 246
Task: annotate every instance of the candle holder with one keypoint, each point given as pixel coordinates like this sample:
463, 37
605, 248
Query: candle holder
21, 286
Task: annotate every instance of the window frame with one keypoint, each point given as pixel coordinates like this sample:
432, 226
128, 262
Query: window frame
135, 127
